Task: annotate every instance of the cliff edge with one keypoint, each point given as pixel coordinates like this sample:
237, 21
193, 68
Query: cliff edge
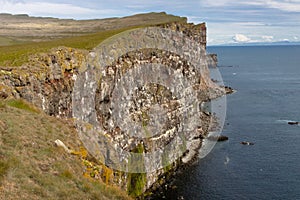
58, 84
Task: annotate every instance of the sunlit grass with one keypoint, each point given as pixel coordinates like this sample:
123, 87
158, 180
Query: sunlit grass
32, 167
21, 104
16, 55
4, 166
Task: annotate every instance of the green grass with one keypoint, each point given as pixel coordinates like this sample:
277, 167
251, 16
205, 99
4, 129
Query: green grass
17, 55
5, 41
5, 165
3, 168
21, 104
137, 181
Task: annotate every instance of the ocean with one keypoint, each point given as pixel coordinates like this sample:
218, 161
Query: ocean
267, 80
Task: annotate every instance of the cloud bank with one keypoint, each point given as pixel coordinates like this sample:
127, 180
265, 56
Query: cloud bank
240, 38
52, 9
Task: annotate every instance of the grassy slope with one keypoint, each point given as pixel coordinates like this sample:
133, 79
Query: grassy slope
32, 167
15, 55
4, 41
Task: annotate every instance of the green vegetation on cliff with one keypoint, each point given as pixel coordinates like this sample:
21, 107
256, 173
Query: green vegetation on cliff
137, 181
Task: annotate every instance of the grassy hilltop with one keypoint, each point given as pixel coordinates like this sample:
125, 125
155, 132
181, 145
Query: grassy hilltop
21, 36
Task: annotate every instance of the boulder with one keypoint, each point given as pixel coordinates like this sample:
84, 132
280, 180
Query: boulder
219, 138
222, 138
293, 123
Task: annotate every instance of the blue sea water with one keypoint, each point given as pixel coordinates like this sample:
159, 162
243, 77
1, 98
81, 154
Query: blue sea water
267, 80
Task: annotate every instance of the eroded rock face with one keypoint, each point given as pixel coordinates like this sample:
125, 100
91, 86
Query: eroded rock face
212, 60
147, 99
175, 84
47, 81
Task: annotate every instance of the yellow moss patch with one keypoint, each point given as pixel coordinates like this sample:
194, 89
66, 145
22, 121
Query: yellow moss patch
94, 170
22, 104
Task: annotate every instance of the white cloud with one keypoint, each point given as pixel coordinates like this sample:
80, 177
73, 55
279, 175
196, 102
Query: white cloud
267, 38
290, 6
218, 3
286, 5
240, 38
51, 9
247, 24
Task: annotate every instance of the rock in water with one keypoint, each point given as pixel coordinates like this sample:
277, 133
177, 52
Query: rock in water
247, 143
220, 138
293, 123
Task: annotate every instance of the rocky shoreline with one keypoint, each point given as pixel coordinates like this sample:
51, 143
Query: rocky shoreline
165, 182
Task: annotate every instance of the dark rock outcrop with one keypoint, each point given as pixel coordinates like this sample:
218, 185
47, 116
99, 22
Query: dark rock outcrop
219, 138
293, 123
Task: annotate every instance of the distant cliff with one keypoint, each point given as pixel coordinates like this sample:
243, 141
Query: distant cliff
48, 82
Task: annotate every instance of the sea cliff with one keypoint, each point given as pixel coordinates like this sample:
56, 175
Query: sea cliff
48, 81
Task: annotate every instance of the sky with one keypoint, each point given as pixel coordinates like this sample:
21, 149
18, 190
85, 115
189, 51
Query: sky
228, 21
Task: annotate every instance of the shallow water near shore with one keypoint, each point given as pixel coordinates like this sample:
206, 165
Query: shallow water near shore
267, 80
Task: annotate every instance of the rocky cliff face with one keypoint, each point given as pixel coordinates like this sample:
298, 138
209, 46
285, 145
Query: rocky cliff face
212, 60
48, 81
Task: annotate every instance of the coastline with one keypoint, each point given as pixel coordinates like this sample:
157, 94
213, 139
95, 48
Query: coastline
49, 78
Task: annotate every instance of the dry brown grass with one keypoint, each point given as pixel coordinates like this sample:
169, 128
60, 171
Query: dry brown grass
32, 167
